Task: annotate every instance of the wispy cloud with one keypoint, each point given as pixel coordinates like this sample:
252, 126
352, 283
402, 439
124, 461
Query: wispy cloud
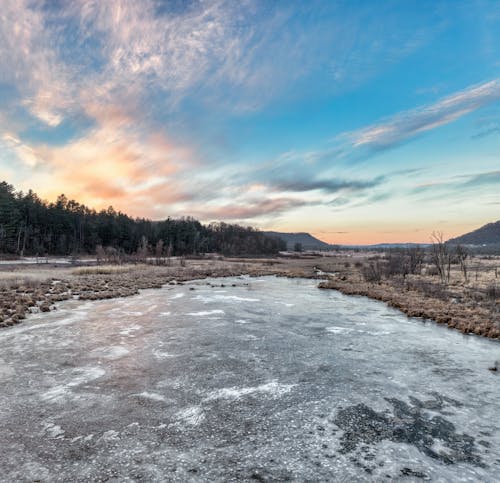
482, 179
250, 209
409, 124
493, 128
457, 186
327, 185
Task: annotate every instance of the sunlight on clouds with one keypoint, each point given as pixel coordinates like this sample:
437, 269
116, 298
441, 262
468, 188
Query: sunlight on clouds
23, 152
97, 96
111, 165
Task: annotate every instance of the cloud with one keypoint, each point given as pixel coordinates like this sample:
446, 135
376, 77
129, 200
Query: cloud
114, 163
409, 124
457, 186
132, 75
22, 151
248, 210
488, 131
482, 179
234, 55
328, 185
26, 46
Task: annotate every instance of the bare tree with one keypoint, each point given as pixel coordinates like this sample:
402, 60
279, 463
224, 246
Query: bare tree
169, 254
416, 259
441, 256
100, 254
462, 254
159, 252
143, 250
372, 272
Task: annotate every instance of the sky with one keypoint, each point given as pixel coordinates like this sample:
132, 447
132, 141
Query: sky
357, 121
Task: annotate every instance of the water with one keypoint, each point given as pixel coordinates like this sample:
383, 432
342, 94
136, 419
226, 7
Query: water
266, 380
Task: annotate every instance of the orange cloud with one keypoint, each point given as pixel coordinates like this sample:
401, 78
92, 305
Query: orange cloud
248, 210
116, 164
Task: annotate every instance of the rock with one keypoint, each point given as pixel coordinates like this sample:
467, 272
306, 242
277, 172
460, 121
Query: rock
45, 307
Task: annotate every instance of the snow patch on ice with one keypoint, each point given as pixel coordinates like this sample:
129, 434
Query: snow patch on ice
53, 430
5, 370
112, 353
77, 316
235, 297
177, 296
129, 330
110, 435
347, 330
286, 304
192, 415
205, 312
163, 355
375, 332
250, 337
338, 330
272, 388
241, 321
151, 395
82, 375
217, 297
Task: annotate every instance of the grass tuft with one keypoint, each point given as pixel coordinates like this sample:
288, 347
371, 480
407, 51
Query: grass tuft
103, 270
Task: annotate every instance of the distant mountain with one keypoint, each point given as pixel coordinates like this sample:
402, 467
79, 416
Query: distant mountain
486, 235
389, 246
307, 241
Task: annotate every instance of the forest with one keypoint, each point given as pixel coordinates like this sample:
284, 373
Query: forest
32, 226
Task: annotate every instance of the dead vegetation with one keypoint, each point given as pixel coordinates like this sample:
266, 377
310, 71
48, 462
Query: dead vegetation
445, 284
104, 269
22, 295
468, 299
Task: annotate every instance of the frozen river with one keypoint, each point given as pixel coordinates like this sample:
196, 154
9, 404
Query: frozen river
258, 379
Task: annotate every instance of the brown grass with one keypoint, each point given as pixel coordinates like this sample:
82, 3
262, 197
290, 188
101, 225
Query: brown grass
106, 269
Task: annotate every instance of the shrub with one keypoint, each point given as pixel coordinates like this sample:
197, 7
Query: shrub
372, 272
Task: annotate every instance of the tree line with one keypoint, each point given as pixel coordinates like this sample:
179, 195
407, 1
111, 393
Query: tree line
32, 226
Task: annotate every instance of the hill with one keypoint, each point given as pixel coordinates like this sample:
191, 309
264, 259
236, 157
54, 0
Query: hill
486, 235
307, 241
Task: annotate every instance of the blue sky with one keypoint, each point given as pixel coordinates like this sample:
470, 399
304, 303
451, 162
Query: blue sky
357, 121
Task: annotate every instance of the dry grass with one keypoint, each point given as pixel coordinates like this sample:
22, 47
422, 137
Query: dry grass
105, 269
15, 282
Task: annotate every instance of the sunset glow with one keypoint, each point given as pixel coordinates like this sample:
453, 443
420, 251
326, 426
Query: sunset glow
360, 122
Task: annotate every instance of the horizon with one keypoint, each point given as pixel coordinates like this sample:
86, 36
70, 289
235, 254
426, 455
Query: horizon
356, 122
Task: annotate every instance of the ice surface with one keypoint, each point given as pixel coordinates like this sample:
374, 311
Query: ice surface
272, 388
333, 388
203, 313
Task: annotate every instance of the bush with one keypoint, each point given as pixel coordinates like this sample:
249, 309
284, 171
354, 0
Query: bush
493, 292
372, 272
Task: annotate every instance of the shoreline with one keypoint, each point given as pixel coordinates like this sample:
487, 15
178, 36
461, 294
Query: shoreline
475, 321
25, 296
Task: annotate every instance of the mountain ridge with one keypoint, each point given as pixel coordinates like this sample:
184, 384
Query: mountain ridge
307, 241
488, 234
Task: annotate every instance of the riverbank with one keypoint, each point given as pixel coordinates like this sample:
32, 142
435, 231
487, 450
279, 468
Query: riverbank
39, 288
466, 318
